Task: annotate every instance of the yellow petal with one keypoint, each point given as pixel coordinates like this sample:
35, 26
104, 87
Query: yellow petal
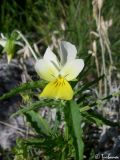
59, 89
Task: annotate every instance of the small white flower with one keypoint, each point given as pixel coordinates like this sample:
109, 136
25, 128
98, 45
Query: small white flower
3, 40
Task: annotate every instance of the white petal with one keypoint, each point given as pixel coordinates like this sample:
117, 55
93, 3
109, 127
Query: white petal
72, 68
67, 51
46, 70
49, 55
3, 42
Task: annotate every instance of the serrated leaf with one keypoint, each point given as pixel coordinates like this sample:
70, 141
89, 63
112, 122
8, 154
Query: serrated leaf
36, 105
22, 88
95, 117
73, 120
101, 100
85, 108
38, 123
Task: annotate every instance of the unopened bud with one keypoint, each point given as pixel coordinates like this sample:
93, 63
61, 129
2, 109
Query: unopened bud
9, 48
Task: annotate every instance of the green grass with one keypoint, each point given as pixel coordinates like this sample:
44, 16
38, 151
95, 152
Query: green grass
39, 19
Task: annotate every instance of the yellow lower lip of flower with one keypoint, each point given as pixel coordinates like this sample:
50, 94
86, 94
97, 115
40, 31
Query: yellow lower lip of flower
58, 89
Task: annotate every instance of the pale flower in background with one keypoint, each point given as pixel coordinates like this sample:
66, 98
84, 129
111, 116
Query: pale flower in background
58, 73
8, 45
3, 40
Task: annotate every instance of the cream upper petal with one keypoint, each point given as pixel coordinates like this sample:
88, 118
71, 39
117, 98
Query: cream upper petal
46, 70
72, 68
3, 42
49, 55
68, 51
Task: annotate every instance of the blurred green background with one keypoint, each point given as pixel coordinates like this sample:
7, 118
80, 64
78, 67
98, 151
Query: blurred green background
70, 20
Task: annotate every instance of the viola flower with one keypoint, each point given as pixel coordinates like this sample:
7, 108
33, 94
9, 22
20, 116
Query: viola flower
58, 73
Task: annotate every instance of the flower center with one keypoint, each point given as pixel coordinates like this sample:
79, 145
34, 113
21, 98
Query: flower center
59, 81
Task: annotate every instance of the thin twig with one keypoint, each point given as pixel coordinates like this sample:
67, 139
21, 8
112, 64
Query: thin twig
18, 129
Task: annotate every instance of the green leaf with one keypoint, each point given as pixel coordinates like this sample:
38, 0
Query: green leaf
36, 105
38, 123
86, 68
22, 88
95, 117
85, 108
10, 48
20, 150
101, 100
35, 141
73, 120
89, 84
